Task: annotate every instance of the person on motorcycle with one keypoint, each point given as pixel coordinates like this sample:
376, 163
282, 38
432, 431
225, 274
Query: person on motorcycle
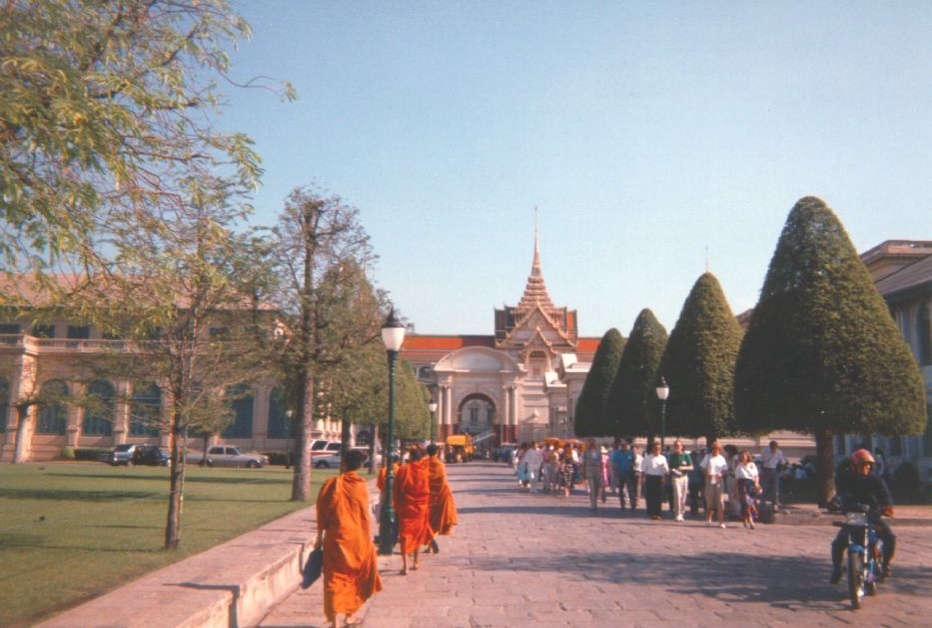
863, 487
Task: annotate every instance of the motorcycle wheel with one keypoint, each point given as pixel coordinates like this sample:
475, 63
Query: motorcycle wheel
855, 579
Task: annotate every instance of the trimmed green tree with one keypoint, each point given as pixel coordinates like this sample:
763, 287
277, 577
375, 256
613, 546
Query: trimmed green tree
699, 364
590, 419
822, 354
632, 403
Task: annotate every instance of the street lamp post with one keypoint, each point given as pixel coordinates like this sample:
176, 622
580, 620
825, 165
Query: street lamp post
432, 406
393, 336
663, 391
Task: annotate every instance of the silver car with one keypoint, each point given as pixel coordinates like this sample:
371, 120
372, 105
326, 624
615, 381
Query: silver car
229, 456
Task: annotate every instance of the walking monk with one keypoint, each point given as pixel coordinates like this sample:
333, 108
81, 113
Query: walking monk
442, 506
412, 507
350, 568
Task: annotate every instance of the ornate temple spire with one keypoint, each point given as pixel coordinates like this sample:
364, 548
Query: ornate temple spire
535, 292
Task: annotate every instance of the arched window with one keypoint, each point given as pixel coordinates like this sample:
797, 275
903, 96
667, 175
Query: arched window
4, 403
53, 413
98, 417
145, 411
242, 403
279, 425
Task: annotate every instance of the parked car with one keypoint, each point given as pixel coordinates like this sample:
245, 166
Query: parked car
327, 461
151, 455
120, 455
325, 449
332, 460
228, 456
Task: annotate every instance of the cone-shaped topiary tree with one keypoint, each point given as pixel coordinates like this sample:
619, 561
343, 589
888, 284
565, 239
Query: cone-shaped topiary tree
822, 354
699, 364
632, 403
590, 419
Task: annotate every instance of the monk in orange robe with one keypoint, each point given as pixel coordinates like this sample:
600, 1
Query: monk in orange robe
350, 567
442, 506
412, 506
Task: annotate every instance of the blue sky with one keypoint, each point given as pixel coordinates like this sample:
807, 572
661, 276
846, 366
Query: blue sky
651, 136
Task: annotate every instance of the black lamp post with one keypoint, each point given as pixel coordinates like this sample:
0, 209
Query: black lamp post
663, 391
432, 406
393, 336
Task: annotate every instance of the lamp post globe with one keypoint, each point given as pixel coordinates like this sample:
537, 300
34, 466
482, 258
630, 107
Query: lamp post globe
393, 336
432, 406
663, 391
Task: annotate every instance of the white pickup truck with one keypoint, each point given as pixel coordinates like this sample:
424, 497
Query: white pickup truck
228, 456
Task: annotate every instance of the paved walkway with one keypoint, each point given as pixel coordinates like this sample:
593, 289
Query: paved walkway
520, 559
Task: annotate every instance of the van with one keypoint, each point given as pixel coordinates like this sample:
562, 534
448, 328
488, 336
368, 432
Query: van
460, 448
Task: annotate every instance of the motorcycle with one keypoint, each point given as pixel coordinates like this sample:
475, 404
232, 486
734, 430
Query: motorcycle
865, 555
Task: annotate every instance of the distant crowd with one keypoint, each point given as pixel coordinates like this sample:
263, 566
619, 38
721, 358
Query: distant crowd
718, 483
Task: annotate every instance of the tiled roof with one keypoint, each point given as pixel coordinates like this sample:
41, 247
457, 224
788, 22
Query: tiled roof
916, 275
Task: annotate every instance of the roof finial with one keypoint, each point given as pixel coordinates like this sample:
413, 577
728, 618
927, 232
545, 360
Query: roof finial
535, 266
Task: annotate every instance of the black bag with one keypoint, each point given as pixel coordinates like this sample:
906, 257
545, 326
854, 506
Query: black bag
313, 567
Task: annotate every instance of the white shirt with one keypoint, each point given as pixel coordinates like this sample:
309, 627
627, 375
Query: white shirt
771, 459
655, 465
714, 465
534, 459
746, 471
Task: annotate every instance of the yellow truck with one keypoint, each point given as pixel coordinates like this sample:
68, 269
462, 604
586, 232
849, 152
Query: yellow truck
460, 448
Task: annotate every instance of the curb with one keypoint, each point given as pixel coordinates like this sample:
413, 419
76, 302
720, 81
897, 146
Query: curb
233, 584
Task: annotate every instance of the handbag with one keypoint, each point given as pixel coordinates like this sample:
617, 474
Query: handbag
312, 568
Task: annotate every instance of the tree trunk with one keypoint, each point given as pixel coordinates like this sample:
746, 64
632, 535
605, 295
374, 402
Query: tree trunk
345, 434
19, 447
825, 450
304, 424
176, 489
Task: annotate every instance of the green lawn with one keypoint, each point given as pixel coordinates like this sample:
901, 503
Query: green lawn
71, 531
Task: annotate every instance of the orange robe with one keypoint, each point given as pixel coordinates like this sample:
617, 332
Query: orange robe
412, 504
442, 506
350, 569
380, 482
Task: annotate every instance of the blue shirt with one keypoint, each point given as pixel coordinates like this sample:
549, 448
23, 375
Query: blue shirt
623, 461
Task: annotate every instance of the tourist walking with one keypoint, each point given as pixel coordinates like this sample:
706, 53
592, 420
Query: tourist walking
714, 467
623, 463
344, 531
680, 466
567, 471
772, 463
535, 460
746, 476
733, 506
524, 478
606, 473
696, 485
638, 475
592, 471
655, 468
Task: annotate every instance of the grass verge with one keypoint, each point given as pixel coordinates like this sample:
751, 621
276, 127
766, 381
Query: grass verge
72, 531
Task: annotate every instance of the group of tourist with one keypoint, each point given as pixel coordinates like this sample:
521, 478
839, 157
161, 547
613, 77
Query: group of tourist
722, 479
424, 510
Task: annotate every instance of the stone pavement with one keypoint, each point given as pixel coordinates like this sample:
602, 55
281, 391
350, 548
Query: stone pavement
520, 559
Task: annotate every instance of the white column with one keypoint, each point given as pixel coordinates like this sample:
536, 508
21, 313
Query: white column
506, 414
